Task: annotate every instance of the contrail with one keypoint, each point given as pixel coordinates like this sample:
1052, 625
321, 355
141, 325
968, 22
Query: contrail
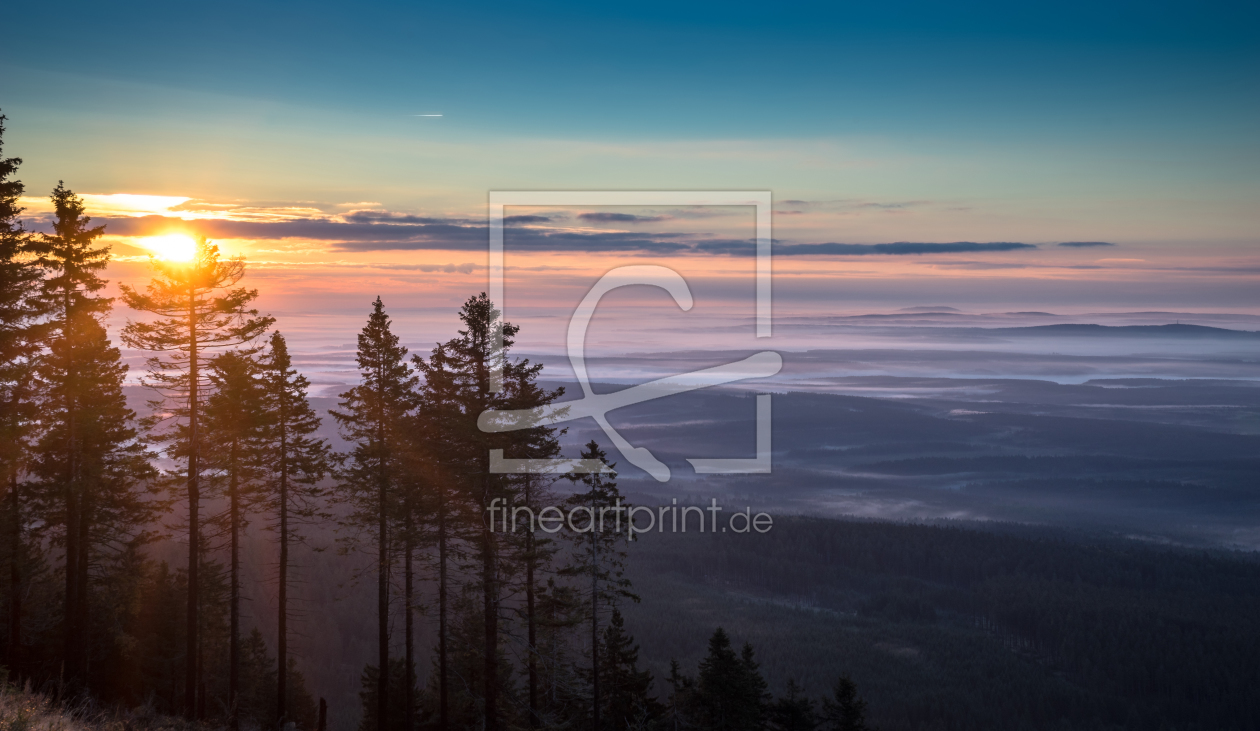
426, 115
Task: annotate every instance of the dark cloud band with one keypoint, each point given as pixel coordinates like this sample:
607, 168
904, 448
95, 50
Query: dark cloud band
383, 231
602, 217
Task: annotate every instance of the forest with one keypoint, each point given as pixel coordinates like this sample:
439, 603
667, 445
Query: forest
138, 536
969, 626
528, 628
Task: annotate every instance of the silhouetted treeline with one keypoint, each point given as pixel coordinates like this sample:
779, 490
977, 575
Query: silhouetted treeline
528, 628
529, 625
88, 485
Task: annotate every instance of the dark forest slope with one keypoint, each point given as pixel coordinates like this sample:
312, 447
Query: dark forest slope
948, 628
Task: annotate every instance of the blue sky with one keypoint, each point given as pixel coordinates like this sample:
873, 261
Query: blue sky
1132, 123
963, 70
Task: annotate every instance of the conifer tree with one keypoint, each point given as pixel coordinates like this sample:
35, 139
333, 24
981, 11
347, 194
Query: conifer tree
111, 498
432, 453
369, 696
90, 458
443, 530
19, 271
467, 642
562, 693
537, 553
757, 691
20, 278
72, 260
794, 711
157, 633
598, 561
844, 710
457, 379
258, 686
303, 710
234, 434
198, 308
720, 683
627, 703
412, 533
682, 699
118, 586
731, 692
372, 415
258, 681
20, 309
296, 461
415, 498
213, 645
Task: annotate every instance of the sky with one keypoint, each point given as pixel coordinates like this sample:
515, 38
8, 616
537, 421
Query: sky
1068, 156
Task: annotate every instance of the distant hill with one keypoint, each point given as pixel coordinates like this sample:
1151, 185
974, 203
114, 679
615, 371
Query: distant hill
904, 315
1125, 331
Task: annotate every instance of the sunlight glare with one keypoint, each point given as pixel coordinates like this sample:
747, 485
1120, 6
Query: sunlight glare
171, 247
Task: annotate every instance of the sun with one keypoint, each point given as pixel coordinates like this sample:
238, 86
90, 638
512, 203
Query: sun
171, 247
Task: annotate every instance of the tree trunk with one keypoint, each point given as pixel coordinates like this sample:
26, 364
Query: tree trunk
81, 581
594, 624
71, 610
13, 659
488, 567
234, 610
410, 657
194, 498
491, 615
443, 702
282, 643
73, 641
382, 613
535, 719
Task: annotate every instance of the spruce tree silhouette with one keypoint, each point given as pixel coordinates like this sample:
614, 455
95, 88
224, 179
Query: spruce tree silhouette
844, 710
296, 461
197, 307
235, 422
20, 334
373, 416
89, 454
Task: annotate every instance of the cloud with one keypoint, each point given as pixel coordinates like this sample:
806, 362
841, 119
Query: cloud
1084, 244
853, 204
983, 265
362, 227
897, 248
619, 218
197, 205
385, 231
377, 230
904, 204
526, 219
465, 268
377, 216
461, 237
